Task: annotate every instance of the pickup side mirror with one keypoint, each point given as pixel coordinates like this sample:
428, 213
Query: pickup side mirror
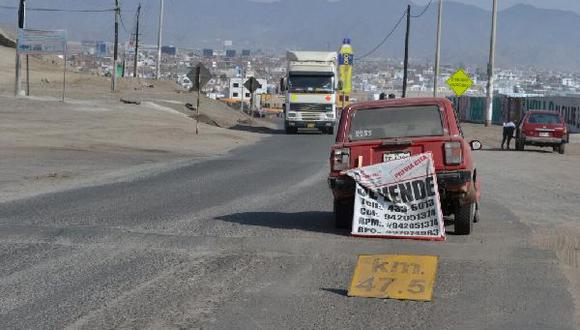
283, 86
475, 145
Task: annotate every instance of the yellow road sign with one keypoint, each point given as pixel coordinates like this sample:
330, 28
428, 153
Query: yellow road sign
404, 277
460, 82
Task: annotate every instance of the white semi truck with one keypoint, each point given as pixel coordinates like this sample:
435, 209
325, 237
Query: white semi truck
311, 87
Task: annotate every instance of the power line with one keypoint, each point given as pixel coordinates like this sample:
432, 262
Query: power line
394, 29
385, 39
424, 10
123, 22
61, 10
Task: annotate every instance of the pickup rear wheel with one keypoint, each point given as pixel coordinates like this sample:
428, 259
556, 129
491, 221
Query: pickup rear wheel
562, 148
519, 145
464, 217
343, 211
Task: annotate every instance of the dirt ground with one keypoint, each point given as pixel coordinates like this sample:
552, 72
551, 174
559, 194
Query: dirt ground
46, 144
560, 232
93, 137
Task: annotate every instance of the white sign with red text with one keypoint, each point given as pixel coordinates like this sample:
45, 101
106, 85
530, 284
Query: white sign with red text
398, 199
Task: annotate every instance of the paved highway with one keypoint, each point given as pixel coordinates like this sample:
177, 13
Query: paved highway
247, 241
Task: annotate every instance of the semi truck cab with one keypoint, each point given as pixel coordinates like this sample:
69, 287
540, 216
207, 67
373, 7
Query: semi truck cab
311, 87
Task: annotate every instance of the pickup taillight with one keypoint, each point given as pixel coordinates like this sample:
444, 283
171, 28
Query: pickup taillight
453, 153
341, 159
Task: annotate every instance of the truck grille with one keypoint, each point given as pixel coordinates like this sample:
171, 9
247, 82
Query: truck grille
312, 116
314, 107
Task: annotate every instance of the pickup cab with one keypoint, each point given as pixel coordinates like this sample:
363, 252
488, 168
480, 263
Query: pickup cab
374, 132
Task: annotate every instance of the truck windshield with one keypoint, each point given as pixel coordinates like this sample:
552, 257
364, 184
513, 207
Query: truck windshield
384, 123
310, 83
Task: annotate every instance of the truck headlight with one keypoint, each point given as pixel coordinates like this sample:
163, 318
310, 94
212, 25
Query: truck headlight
292, 115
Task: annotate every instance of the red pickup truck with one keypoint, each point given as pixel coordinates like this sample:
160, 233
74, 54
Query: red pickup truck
378, 131
542, 129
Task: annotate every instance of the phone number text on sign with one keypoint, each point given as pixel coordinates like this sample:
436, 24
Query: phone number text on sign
391, 202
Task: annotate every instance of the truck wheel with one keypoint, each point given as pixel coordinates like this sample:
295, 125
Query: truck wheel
519, 145
464, 217
290, 130
343, 212
330, 130
562, 148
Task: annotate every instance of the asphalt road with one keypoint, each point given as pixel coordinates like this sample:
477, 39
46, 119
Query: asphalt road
247, 241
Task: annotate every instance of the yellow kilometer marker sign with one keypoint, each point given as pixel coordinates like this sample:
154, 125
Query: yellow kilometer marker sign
402, 277
460, 82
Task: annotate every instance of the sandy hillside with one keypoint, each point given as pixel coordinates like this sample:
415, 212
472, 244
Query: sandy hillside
49, 145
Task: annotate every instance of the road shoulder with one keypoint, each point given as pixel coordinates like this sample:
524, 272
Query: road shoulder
50, 146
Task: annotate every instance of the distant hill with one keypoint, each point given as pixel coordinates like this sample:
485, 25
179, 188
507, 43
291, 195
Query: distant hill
527, 36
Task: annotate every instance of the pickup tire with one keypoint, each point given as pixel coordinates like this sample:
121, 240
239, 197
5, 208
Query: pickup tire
343, 211
520, 145
562, 149
464, 217
329, 130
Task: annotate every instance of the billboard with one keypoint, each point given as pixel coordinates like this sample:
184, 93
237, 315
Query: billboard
40, 42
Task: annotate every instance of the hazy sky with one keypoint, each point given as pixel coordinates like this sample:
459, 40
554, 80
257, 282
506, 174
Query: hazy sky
552, 4
573, 5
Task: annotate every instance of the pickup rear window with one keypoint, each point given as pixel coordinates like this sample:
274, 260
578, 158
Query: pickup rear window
544, 118
384, 123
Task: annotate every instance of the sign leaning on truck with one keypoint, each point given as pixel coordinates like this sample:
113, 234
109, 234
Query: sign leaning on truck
398, 199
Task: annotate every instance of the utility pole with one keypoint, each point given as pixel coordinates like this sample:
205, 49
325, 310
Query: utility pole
21, 25
159, 39
242, 94
136, 42
438, 50
116, 47
490, 67
198, 73
406, 63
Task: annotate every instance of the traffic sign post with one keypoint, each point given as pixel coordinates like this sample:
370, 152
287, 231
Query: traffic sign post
199, 77
460, 82
252, 85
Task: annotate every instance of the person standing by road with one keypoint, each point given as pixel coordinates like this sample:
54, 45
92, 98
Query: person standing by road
508, 133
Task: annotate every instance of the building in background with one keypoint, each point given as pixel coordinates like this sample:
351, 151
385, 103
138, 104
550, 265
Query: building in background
236, 88
101, 49
230, 53
169, 50
207, 53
